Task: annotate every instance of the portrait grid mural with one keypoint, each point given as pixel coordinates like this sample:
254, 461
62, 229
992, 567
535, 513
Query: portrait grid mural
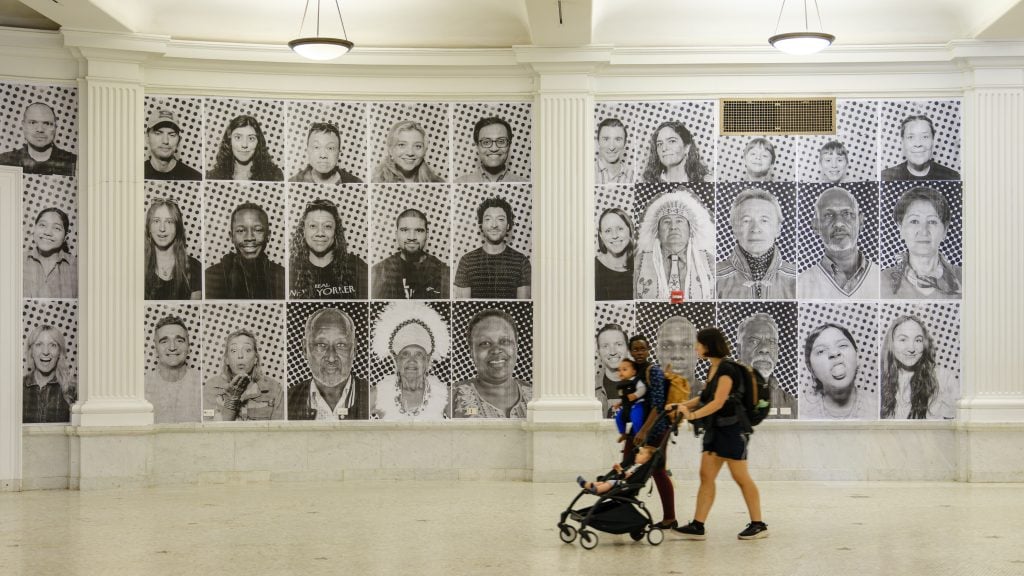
323, 260
39, 134
832, 263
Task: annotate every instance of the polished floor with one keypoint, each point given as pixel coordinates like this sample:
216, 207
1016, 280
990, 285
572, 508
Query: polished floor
499, 528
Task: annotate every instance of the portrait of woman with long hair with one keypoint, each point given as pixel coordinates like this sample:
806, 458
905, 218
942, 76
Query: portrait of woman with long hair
914, 386
405, 158
171, 274
243, 153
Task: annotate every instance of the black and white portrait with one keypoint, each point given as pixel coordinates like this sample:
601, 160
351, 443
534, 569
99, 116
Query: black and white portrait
326, 142
40, 129
671, 329
921, 229
327, 242
675, 249
614, 243
327, 367
838, 235
920, 360
173, 145
409, 142
614, 323
757, 159
411, 239
674, 140
493, 142
410, 365
617, 144
492, 359
849, 155
244, 241
492, 242
173, 362
245, 139
50, 228
839, 365
243, 352
50, 365
920, 139
764, 336
173, 241
756, 241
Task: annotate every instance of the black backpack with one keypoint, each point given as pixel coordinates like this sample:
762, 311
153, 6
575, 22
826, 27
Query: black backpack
751, 394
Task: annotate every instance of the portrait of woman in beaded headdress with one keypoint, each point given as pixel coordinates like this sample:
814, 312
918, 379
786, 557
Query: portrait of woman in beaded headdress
412, 337
676, 248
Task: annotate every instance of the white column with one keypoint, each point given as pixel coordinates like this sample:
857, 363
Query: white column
10, 324
563, 207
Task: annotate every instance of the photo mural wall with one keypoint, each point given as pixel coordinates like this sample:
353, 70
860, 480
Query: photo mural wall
831, 262
40, 135
327, 260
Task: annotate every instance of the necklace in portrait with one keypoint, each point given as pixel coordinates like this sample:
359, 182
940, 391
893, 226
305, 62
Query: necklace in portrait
402, 409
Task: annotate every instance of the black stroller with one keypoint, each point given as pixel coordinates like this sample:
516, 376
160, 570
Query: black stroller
618, 511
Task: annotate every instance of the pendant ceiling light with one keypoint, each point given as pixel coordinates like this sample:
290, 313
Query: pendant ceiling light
804, 42
321, 47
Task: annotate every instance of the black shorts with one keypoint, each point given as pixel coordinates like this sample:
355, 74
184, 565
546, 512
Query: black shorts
727, 441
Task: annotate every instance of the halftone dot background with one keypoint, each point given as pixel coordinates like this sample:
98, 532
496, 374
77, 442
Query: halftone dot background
390, 200
644, 192
784, 192
14, 98
350, 119
810, 245
270, 115
651, 315
730, 314
352, 206
298, 314
699, 116
49, 192
264, 320
462, 313
189, 113
893, 246
730, 158
857, 130
519, 115
380, 367
191, 314
466, 230
941, 320
612, 197
432, 117
621, 313
861, 319
945, 115
221, 200
61, 315
188, 196
636, 141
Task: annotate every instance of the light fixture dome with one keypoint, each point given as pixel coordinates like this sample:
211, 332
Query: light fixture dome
320, 48
802, 43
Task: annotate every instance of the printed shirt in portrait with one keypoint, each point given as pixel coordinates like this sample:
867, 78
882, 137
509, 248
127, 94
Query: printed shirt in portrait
60, 162
467, 403
339, 280
735, 279
481, 175
820, 281
396, 278
60, 282
174, 401
493, 275
603, 173
262, 400
388, 404
897, 282
46, 403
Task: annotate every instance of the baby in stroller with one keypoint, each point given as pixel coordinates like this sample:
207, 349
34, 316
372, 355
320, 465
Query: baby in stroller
641, 463
631, 405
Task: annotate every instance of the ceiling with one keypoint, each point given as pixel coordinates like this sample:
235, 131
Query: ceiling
505, 23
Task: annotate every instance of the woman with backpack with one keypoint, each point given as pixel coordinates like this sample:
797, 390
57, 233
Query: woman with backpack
725, 438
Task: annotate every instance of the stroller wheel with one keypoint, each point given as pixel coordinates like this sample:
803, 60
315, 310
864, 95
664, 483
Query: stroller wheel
567, 533
637, 535
588, 539
655, 536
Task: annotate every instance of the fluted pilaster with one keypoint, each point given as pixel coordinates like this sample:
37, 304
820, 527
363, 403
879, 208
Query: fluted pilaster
10, 323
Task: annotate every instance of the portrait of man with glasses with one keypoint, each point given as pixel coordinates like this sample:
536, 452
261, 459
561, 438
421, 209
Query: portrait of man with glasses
333, 392
492, 137
844, 271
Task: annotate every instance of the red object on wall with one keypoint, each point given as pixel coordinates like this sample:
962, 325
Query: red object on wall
676, 297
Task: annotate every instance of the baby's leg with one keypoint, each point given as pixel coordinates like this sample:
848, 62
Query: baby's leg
636, 415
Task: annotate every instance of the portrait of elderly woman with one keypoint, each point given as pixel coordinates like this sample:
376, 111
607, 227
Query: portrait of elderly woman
676, 248
50, 270
49, 389
914, 386
171, 274
674, 156
243, 153
493, 392
405, 156
241, 391
830, 353
613, 266
755, 269
922, 216
411, 336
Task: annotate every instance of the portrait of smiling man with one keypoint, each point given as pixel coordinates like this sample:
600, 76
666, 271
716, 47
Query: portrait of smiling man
246, 273
332, 392
495, 270
492, 138
844, 271
612, 166
173, 387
